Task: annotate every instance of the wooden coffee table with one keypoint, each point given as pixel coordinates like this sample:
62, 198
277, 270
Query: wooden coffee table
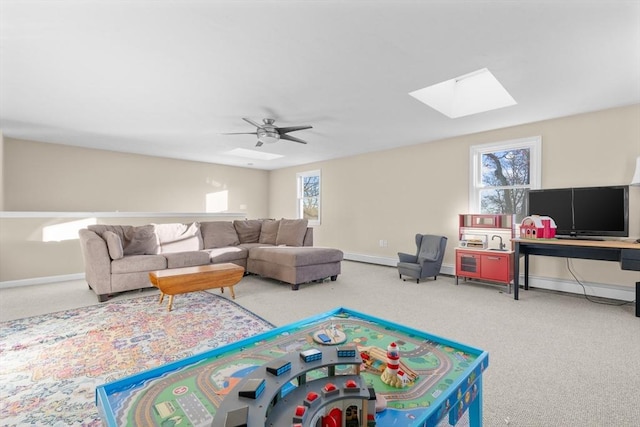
190, 279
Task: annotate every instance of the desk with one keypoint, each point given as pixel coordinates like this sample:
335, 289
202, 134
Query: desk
447, 380
626, 253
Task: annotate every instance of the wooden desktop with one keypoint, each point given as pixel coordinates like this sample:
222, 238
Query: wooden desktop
626, 253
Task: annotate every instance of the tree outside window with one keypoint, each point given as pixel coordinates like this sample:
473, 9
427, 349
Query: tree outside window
309, 196
502, 175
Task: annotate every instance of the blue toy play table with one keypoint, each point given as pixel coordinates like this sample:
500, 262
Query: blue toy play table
445, 377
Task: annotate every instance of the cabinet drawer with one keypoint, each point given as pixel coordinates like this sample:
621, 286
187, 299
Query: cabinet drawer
630, 259
467, 264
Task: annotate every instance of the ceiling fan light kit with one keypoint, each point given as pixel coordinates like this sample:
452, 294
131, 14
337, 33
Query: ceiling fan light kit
268, 133
268, 136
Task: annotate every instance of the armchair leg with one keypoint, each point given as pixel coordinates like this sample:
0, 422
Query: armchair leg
417, 280
400, 275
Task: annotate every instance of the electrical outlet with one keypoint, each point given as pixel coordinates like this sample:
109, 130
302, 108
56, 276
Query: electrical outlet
383, 243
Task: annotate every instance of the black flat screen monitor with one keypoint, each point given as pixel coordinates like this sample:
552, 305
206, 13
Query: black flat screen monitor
584, 211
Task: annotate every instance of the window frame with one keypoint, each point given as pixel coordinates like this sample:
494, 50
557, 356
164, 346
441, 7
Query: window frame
533, 143
300, 197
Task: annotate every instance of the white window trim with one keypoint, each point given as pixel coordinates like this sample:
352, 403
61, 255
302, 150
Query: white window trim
299, 177
534, 144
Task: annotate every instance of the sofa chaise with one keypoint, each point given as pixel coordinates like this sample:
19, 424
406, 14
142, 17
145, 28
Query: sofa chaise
118, 258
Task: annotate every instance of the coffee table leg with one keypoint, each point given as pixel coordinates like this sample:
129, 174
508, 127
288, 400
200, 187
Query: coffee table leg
161, 297
233, 295
170, 302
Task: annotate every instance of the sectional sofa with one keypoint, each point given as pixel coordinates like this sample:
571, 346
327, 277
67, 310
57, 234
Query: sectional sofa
118, 258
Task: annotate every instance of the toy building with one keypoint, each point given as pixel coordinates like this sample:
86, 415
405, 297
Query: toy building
538, 227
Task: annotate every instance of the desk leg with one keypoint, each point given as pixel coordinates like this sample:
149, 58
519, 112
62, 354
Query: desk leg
637, 302
526, 272
516, 271
475, 409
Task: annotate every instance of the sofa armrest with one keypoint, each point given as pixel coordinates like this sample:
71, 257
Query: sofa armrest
97, 262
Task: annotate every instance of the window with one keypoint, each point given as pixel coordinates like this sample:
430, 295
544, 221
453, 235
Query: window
501, 175
309, 196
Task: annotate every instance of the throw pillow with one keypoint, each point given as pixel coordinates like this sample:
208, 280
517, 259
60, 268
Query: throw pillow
178, 237
291, 232
218, 234
101, 228
140, 240
248, 230
269, 232
114, 244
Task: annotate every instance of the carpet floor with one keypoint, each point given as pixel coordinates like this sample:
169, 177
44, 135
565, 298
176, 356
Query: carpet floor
50, 365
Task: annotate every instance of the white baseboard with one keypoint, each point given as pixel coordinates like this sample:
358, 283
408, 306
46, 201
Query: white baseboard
391, 262
604, 290
41, 280
622, 293
617, 292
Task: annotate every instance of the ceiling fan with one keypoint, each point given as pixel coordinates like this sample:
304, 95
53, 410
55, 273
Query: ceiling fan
268, 133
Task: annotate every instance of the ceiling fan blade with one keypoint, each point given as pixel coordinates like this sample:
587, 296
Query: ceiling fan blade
240, 133
252, 122
259, 144
292, 138
293, 129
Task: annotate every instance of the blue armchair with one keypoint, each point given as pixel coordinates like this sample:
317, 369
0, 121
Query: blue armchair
427, 260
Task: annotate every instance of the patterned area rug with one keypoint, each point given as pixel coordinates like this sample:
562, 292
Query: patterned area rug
50, 365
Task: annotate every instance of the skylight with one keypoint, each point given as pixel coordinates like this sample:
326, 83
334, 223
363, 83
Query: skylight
253, 154
469, 94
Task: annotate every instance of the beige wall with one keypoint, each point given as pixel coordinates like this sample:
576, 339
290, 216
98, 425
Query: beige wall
391, 195
388, 195
57, 178
51, 177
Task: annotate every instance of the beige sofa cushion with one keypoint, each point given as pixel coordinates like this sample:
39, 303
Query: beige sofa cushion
177, 237
248, 230
138, 263
100, 229
227, 254
114, 244
140, 240
291, 232
269, 232
186, 259
218, 234
296, 257
134, 240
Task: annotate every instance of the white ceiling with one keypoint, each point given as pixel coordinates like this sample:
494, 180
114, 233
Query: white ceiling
167, 78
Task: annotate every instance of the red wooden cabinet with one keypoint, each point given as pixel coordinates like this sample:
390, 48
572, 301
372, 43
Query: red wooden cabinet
494, 266
476, 257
